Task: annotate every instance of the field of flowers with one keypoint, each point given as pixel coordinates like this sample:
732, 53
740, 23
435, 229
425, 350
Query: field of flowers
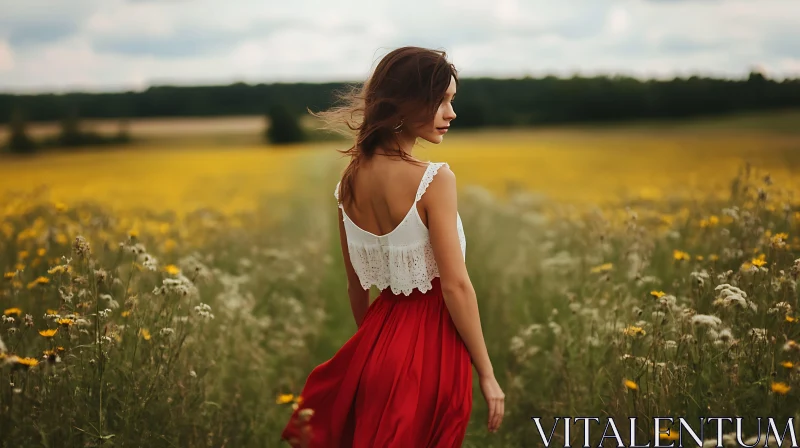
179, 296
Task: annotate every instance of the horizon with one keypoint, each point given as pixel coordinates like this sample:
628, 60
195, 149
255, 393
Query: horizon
186, 84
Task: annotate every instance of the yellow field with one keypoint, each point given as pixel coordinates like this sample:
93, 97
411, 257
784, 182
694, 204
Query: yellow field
201, 329
186, 164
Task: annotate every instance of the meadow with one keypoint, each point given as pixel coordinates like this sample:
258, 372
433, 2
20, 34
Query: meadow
177, 292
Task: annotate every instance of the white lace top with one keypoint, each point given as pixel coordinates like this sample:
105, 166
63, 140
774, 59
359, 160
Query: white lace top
403, 258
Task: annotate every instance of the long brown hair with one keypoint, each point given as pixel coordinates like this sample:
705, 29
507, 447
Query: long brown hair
405, 88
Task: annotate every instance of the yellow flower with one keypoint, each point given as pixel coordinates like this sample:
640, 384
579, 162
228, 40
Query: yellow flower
284, 398
51, 312
633, 331
57, 270
780, 388
27, 362
38, 281
631, 385
126, 313
23, 254
712, 221
169, 245
758, 262
680, 255
699, 258
790, 319
65, 321
787, 364
658, 294
605, 267
713, 257
10, 311
145, 334
133, 233
171, 269
61, 239
41, 251
9, 275
48, 333
673, 435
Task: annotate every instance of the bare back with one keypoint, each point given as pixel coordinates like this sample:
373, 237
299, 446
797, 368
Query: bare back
385, 191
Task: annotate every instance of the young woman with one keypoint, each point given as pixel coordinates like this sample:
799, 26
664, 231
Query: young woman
405, 378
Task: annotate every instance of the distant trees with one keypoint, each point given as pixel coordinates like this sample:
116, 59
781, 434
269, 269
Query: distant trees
18, 140
283, 126
481, 101
71, 134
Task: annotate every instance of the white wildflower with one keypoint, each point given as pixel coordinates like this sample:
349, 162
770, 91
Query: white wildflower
759, 334
113, 304
700, 277
791, 345
667, 301
166, 331
646, 280
670, 345
556, 328
780, 307
517, 344
81, 322
194, 267
204, 310
726, 335
531, 329
65, 296
705, 319
149, 262
733, 212
3, 348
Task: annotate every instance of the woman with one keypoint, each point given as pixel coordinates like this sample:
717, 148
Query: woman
405, 378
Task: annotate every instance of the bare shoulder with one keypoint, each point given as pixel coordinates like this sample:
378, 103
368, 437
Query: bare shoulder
443, 186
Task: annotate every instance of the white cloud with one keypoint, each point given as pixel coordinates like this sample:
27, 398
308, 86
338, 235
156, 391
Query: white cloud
112, 44
6, 57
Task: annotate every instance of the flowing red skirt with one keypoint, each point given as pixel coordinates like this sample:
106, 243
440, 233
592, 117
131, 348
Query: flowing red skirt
404, 379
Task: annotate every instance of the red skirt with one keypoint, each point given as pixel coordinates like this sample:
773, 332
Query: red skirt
404, 379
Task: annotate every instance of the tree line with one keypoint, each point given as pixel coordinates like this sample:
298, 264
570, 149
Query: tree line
480, 101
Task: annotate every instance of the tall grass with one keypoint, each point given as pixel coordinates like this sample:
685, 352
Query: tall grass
200, 329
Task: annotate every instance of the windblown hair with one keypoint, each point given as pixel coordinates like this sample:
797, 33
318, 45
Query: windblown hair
405, 88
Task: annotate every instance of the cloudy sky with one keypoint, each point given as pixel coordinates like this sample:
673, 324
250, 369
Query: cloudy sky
62, 45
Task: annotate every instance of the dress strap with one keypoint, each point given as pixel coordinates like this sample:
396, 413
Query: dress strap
433, 168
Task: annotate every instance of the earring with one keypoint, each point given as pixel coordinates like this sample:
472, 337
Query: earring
397, 128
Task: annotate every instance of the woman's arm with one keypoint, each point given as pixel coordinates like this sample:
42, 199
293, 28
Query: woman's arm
459, 295
359, 297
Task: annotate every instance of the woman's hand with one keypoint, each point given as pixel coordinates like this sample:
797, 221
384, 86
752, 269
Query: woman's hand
495, 400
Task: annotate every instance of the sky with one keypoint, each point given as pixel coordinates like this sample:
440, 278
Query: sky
112, 45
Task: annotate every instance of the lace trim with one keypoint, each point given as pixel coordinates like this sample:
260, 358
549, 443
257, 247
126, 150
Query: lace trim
427, 178
402, 269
